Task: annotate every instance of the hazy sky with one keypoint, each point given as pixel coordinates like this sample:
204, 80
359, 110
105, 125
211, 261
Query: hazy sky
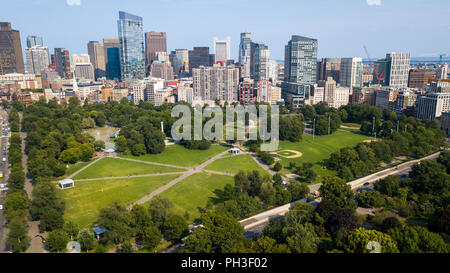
342, 27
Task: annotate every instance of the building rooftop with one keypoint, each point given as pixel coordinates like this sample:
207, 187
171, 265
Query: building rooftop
297, 38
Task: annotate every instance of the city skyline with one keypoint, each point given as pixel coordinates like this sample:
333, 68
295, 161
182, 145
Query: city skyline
371, 24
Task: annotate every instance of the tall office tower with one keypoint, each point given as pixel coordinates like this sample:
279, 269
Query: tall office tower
259, 61
328, 67
222, 49
113, 68
180, 61
395, 69
351, 72
97, 56
300, 60
10, 49
37, 59
154, 42
108, 43
200, 56
131, 44
442, 72
217, 82
62, 63
244, 53
34, 41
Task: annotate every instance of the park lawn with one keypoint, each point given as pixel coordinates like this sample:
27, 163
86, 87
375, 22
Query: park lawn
84, 201
75, 167
180, 156
235, 164
317, 150
115, 167
193, 193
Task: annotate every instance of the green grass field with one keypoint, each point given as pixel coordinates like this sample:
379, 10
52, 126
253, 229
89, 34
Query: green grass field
319, 149
194, 192
84, 201
180, 156
235, 164
114, 167
75, 167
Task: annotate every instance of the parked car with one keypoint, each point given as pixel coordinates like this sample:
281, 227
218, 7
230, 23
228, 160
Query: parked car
4, 159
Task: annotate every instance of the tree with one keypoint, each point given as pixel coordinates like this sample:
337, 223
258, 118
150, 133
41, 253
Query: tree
221, 231
121, 144
338, 191
278, 167
417, 239
151, 237
140, 219
17, 239
139, 149
115, 219
268, 245
291, 128
160, 210
370, 199
430, 177
16, 204
126, 247
303, 239
71, 229
99, 145
326, 208
341, 219
389, 186
175, 228
358, 241
51, 219
390, 223
86, 240
57, 240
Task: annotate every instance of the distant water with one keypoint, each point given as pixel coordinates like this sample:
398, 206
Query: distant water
414, 60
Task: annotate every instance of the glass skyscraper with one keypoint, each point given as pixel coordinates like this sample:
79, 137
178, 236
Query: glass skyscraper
244, 53
34, 41
300, 60
259, 61
114, 63
131, 44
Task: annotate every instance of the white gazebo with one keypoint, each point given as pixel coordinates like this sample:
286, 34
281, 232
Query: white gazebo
66, 184
235, 151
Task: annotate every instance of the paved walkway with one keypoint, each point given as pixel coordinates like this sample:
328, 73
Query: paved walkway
84, 168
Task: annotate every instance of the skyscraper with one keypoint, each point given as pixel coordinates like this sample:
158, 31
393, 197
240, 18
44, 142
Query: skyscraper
62, 63
131, 43
37, 59
10, 49
351, 72
200, 56
97, 56
222, 49
34, 41
217, 82
154, 42
180, 61
300, 60
113, 68
244, 53
107, 43
259, 61
395, 69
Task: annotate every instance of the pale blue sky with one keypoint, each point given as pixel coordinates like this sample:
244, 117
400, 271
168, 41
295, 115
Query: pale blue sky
342, 27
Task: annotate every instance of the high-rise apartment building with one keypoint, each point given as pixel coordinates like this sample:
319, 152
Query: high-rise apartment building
37, 59
131, 44
10, 50
200, 56
351, 72
244, 53
246, 94
216, 82
222, 49
34, 41
335, 95
161, 69
97, 56
154, 42
259, 61
442, 71
300, 61
62, 63
83, 58
84, 71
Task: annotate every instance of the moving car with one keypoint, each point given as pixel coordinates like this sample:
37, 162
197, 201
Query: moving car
4, 159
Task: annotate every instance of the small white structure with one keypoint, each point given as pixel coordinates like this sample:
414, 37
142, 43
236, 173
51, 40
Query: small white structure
235, 151
109, 152
66, 184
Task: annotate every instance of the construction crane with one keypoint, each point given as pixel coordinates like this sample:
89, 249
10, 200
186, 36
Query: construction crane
441, 57
379, 77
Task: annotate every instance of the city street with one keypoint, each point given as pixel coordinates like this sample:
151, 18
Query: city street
4, 169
